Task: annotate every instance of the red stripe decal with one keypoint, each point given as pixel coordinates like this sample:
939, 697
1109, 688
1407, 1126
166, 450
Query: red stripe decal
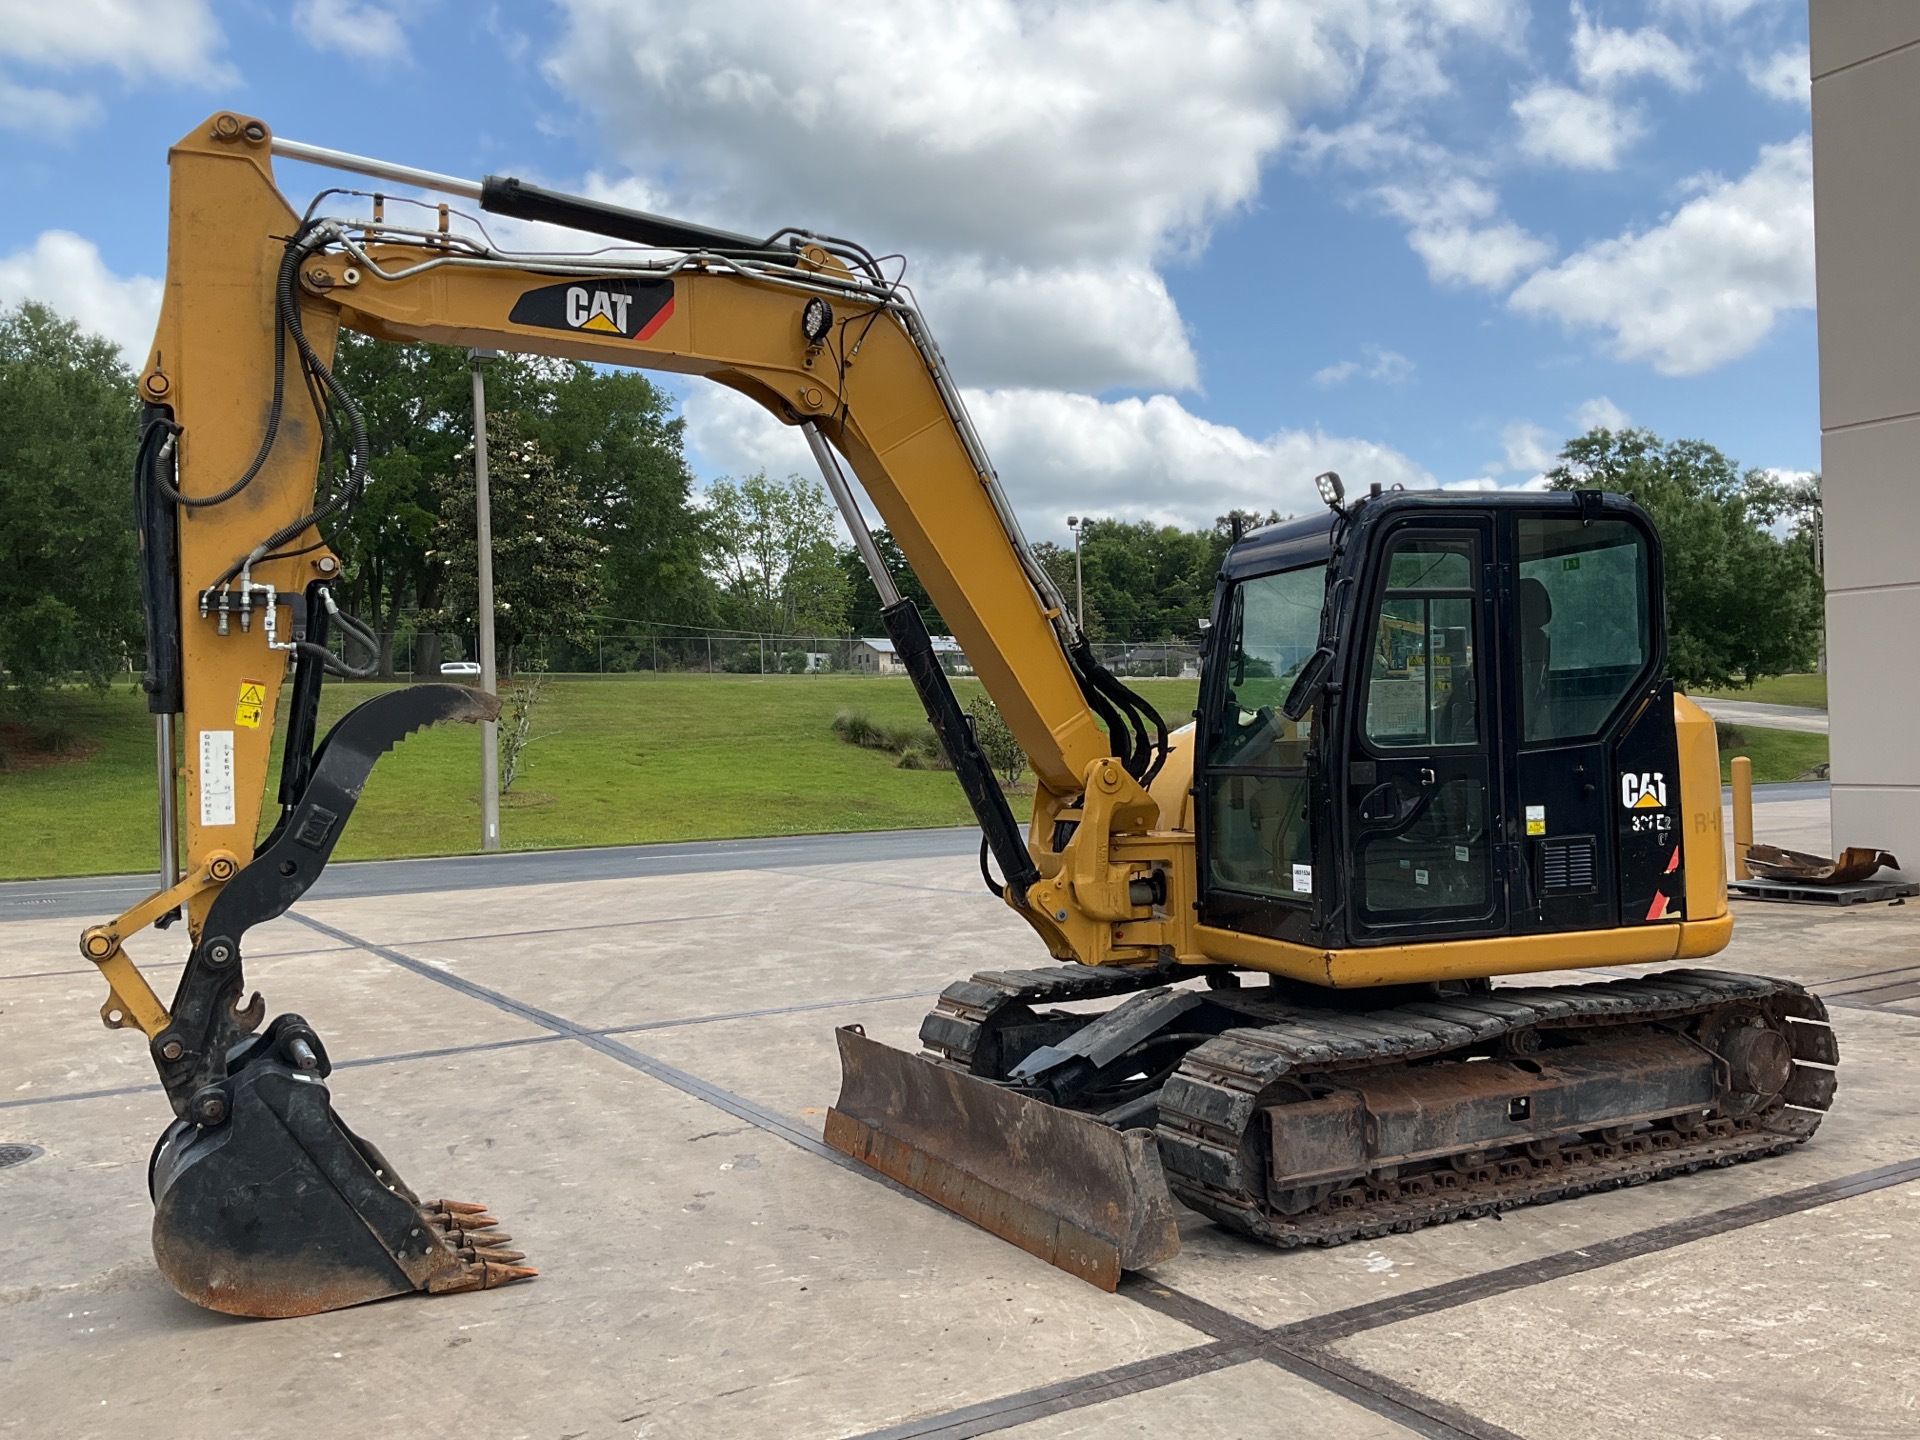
1657, 910
1674, 863
648, 330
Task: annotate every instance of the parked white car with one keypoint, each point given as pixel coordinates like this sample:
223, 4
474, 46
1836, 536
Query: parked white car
461, 669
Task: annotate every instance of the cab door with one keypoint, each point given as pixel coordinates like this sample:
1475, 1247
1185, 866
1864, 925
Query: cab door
1424, 813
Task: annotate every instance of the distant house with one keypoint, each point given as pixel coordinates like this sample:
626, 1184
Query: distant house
877, 657
1157, 659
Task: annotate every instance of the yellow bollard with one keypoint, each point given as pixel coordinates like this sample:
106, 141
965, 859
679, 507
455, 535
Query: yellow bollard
1742, 769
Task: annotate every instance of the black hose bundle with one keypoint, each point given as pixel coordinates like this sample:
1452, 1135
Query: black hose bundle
1135, 728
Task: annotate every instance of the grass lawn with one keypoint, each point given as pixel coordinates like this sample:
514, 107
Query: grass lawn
615, 762
1808, 690
1777, 755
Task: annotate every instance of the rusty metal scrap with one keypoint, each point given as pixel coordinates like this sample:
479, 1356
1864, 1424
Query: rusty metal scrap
1770, 862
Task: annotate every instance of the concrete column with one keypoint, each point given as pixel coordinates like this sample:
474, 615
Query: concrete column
1866, 188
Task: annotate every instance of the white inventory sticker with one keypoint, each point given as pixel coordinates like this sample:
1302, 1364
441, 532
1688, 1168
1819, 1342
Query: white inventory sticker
1303, 879
216, 777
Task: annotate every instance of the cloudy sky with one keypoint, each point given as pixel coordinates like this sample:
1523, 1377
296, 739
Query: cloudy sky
1182, 254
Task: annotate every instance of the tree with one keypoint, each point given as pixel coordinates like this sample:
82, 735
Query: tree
611, 433
863, 604
1057, 561
69, 574
615, 434
1741, 602
417, 401
545, 560
1148, 582
774, 555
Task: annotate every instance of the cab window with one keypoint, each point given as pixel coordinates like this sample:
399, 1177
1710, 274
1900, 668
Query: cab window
1272, 628
1258, 790
1584, 622
1420, 682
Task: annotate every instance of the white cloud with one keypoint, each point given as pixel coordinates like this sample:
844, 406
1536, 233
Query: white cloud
1058, 454
65, 271
1703, 12
1559, 126
44, 112
1389, 367
1153, 459
1706, 286
161, 39
1600, 413
366, 32
1490, 257
1527, 447
1605, 57
1783, 76
1454, 226
997, 142
1089, 327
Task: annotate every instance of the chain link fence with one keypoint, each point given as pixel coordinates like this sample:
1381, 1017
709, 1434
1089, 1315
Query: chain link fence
425, 655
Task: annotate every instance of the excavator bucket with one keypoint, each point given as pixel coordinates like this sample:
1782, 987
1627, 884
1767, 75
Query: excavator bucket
282, 1210
265, 1203
1079, 1194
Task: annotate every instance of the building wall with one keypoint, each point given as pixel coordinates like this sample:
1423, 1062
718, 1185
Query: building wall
1866, 187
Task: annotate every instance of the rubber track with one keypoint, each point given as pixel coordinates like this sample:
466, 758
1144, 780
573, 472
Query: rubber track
1211, 1103
954, 1027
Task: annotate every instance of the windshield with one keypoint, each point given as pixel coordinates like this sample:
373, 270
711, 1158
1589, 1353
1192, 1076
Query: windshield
1272, 627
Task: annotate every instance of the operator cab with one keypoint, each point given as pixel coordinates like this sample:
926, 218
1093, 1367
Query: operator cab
1478, 669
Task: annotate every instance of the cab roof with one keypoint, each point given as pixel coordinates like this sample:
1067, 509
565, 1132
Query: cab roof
1309, 540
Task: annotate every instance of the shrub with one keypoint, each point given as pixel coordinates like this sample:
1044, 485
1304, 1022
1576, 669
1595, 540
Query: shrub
917, 747
996, 740
857, 729
1730, 736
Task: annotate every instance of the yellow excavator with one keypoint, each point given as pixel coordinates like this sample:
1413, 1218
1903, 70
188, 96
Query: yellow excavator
1433, 747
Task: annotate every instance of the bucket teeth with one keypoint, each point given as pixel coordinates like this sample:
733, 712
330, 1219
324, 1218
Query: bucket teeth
478, 1246
480, 1275
492, 1275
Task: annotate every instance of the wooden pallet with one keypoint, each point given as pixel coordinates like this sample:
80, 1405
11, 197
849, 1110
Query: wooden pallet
1801, 893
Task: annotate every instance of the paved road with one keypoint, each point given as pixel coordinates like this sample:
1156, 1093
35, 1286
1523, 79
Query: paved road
104, 896
1765, 717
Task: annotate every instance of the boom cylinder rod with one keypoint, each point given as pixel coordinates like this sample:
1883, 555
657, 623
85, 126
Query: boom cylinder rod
169, 812
379, 169
836, 479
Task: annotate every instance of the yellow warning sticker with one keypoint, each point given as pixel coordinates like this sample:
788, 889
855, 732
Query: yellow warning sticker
253, 701
1536, 819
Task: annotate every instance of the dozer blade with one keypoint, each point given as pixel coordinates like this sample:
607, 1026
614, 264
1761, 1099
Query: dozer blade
281, 1210
1078, 1194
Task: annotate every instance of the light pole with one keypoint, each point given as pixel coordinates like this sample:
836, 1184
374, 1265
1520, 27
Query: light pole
483, 524
1074, 522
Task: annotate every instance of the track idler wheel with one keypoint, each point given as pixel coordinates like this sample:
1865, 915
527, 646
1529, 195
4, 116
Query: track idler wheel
267, 1205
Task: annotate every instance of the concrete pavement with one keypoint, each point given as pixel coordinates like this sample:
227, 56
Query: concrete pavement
633, 1071
1765, 717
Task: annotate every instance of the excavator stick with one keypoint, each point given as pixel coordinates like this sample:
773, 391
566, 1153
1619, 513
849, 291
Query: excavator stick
265, 1203
1081, 1195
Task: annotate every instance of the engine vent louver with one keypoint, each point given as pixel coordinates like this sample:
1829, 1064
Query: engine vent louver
1566, 865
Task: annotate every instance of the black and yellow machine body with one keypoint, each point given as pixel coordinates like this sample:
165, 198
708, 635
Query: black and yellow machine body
1433, 747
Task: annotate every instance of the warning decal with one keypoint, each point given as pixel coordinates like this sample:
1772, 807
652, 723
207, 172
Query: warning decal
253, 700
216, 777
